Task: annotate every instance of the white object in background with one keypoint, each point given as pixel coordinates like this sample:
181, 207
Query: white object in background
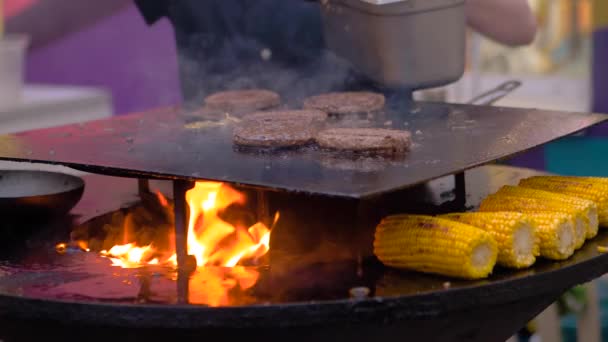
588, 325
475, 65
45, 106
548, 325
12, 57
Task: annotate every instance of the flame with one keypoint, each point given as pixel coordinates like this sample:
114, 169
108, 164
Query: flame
162, 199
211, 240
129, 255
216, 281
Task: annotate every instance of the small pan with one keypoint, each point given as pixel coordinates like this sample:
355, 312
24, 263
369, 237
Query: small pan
38, 195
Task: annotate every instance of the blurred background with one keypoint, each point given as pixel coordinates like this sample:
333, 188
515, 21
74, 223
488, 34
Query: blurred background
117, 64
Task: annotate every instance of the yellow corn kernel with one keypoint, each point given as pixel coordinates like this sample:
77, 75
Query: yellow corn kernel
434, 245
584, 187
600, 180
588, 207
556, 234
514, 233
526, 205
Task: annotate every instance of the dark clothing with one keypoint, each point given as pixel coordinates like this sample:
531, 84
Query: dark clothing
236, 44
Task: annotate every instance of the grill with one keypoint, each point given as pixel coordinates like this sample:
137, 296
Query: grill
326, 199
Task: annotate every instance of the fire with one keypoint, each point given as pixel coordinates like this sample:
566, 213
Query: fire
222, 246
211, 240
222, 249
129, 256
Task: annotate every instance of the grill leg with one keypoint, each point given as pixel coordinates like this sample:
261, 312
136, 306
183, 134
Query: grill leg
185, 262
143, 186
460, 190
263, 212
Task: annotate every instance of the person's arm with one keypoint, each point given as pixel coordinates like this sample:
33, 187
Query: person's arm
51, 19
509, 22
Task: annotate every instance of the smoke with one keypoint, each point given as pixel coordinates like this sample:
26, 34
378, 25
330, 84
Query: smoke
201, 76
269, 44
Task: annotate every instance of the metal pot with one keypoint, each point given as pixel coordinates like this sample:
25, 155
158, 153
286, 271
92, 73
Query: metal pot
410, 44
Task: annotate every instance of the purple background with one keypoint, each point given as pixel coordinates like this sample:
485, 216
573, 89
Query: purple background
136, 62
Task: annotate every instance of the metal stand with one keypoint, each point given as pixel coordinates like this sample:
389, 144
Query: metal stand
143, 186
263, 212
460, 190
145, 290
185, 263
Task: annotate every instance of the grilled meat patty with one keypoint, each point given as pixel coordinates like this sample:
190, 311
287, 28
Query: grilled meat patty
274, 134
242, 101
378, 140
346, 102
279, 128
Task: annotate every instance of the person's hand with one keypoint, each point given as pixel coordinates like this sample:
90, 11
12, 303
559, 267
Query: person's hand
509, 22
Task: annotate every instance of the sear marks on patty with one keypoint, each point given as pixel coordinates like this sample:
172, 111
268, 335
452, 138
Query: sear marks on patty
242, 101
376, 140
288, 128
346, 102
275, 134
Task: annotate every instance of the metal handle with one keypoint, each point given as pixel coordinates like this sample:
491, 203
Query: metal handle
491, 96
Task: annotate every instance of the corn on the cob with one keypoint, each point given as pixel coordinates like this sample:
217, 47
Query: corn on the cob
588, 207
433, 245
556, 234
514, 233
583, 187
603, 180
532, 205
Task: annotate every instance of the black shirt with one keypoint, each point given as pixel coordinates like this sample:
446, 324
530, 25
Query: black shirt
236, 44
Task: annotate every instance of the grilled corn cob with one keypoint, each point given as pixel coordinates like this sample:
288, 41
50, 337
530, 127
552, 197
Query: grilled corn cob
556, 234
583, 187
434, 245
588, 207
533, 205
601, 180
514, 233
528, 205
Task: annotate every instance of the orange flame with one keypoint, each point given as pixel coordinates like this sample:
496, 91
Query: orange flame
211, 240
128, 256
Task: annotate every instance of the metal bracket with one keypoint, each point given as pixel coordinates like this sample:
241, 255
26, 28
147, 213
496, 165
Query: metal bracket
185, 263
143, 186
460, 190
263, 212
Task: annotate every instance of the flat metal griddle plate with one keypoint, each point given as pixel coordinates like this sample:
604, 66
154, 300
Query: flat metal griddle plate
447, 139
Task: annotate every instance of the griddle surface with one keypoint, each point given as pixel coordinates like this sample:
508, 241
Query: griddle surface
447, 139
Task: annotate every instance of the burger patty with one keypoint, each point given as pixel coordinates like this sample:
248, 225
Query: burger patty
346, 102
284, 133
242, 101
378, 140
286, 128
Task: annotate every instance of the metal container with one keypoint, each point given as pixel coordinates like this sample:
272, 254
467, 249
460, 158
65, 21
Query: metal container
410, 44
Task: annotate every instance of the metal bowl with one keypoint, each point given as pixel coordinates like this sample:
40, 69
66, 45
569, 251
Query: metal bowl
30, 195
409, 44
